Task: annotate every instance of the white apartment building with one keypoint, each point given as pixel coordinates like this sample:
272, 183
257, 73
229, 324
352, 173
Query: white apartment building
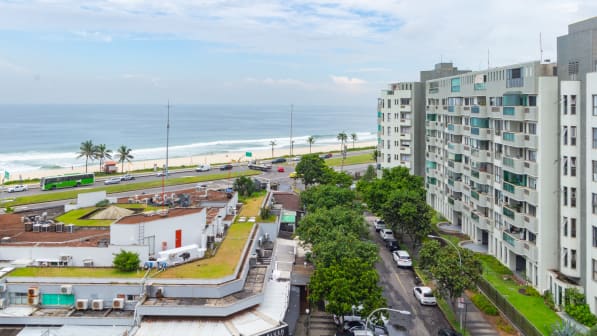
400, 118
491, 162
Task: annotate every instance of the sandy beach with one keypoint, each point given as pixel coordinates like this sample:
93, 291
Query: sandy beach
232, 157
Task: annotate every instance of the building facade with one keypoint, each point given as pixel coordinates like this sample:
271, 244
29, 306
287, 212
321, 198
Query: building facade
491, 165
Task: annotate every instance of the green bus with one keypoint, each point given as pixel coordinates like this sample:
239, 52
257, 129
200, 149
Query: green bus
66, 181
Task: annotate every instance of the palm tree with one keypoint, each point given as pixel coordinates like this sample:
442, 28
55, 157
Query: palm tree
353, 137
342, 137
102, 153
272, 143
310, 141
123, 154
87, 150
375, 154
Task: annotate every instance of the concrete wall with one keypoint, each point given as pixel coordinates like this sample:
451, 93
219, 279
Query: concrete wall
101, 256
86, 200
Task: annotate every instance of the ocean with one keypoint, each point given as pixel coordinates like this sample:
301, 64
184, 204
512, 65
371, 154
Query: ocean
49, 136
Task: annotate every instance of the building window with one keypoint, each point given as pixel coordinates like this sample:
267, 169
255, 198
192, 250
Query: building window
565, 104
572, 135
573, 197
532, 128
572, 166
594, 270
565, 227
565, 195
594, 170
594, 137
594, 236
565, 134
573, 104
572, 227
565, 166
565, 256
455, 85
594, 203
595, 105
573, 259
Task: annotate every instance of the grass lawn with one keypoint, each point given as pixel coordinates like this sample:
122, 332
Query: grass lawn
351, 160
74, 216
251, 207
75, 272
532, 307
72, 193
220, 265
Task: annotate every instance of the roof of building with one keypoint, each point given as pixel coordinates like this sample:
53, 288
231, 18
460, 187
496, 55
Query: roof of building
289, 200
157, 215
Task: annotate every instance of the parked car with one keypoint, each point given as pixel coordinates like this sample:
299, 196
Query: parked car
113, 180
226, 167
293, 175
203, 168
379, 225
386, 234
279, 160
162, 173
402, 258
447, 332
424, 295
392, 245
353, 325
127, 177
326, 156
280, 169
17, 188
296, 158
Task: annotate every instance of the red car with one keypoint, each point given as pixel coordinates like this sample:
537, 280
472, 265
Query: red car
280, 169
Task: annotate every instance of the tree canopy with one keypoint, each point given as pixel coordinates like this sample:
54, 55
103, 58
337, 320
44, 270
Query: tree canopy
326, 196
126, 261
312, 169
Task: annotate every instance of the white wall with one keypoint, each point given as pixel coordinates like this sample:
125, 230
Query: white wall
590, 218
101, 256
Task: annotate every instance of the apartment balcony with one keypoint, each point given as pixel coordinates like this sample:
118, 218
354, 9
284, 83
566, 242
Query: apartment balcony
531, 223
457, 186
481, 133
514, 113
480, 220
481, 177
481, 199
481, 155
455, 129
455, 147
406, 122
530, 141
455, 167
495, 110
456, 109
405, 150
513, 139
515, 165
479, 111
530, 168
519, 246
513, 216
514, 191
457, 206
530, 113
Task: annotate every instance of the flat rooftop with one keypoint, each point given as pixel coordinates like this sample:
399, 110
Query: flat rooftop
157, 215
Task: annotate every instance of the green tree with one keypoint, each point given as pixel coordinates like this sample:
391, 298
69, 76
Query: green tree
87, 150
310, 141
326, 196
318, 225
312, 169
354, 137
370, 174
126, 261
123, 154
272, 143
244, 185
593, 330
341, 246
102, 153
428, 254
375, 155
406, 211
340, 179
342, 137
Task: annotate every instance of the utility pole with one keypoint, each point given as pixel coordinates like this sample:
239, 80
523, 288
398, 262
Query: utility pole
291, 142
167, 137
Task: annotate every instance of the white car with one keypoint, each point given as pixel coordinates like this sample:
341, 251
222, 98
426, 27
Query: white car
203, 168
17, 188
296, 158
402, 258
113, 180
386, 234
424, 295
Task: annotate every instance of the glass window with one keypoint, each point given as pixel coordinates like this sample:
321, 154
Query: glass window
455, 85
573, 259
594, 203
573, 197
594, 236
565, 104
572, 135
572, 166
565, 195
565, 227
594, 137
565, 165
594, 270
572, 227
594, 170
565, 134
565, 256
595, 105
573, 104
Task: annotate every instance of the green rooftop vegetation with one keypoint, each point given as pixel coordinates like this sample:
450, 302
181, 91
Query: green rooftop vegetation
76, 216
75, 272
351, 160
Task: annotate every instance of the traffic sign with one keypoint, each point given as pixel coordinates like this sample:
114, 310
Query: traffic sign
248, 154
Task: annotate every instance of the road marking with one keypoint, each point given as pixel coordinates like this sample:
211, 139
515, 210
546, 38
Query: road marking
400, 282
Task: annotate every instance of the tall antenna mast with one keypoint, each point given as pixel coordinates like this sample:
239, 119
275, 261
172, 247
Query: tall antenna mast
167, 136
540, 48
291, 141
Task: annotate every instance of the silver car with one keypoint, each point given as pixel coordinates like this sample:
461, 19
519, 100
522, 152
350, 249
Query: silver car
113, 180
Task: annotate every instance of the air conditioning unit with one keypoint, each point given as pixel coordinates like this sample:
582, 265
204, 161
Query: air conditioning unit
2, 303
33, 300
81, 304
118, 303
97, 304
33, 291
66, 258
87, 262
66, 289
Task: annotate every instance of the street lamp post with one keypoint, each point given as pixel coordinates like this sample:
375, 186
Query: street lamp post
403, 312
459, 261
308, 312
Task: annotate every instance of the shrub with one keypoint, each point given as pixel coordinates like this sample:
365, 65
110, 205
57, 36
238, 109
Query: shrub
564, 328
531, 291
126, 261
102, 204
9, 209
504, 326
548, 299
577, 308
484, 304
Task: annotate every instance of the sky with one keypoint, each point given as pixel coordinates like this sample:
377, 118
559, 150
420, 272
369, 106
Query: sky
312, 52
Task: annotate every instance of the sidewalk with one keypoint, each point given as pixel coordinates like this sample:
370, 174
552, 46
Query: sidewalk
318, 324
474, 321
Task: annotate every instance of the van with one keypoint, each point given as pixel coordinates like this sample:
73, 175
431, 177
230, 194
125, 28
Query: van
402, 258
203, 168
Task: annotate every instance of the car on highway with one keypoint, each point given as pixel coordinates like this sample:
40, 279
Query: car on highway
326, 156
162, 173
226, 167
203, 168
279, 160
17, 188
280, 169
127, 177
293, 175
296, 158
402, 258
112, 180
424, 295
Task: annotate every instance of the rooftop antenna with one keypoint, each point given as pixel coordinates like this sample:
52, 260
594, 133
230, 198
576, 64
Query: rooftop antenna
291, 141
166, 171
540, 49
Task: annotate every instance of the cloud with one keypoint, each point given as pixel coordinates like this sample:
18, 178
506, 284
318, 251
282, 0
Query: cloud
347, 81
93, 36
155, 81
14, 68
288, 82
